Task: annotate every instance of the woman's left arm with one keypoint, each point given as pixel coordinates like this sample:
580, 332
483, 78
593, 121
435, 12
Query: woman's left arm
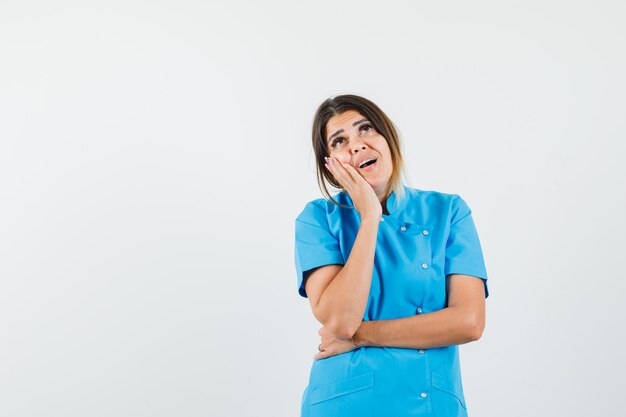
461, 322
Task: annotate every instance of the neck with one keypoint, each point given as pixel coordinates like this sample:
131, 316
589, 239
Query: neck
384, 205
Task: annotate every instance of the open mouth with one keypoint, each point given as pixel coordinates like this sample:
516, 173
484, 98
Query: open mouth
369, 165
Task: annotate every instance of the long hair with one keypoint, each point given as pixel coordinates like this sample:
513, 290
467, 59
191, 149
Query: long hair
336, 105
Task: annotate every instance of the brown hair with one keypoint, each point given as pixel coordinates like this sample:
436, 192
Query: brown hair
382, 124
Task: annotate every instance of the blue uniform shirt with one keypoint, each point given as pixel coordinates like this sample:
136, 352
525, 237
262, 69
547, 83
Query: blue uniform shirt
426, 236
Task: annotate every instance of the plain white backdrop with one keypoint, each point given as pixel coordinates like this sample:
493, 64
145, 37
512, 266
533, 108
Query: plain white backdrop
154, 156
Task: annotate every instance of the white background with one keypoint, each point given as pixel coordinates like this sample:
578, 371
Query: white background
154, 156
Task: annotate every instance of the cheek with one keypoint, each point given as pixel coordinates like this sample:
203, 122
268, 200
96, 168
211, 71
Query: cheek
388, 161
386, 153
341, 158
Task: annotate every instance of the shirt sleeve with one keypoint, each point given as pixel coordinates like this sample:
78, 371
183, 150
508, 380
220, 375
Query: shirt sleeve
315, 245
463, 251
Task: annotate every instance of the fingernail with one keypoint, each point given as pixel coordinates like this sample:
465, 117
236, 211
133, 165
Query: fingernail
326, 158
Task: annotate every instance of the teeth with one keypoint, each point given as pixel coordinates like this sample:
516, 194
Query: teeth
367, 160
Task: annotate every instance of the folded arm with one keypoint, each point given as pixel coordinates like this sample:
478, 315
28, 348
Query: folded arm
461, 322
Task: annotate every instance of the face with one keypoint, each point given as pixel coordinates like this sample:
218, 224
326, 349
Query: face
351, 138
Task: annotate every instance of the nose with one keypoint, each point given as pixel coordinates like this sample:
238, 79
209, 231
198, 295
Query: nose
357, 144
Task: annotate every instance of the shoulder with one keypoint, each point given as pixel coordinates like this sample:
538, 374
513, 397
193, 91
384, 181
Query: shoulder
447, 204
434, 197
320, 208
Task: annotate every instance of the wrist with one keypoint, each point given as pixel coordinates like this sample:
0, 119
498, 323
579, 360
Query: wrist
371, 219
353, 342
359, 337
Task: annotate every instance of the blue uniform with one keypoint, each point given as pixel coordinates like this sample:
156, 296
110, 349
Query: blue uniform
426, 236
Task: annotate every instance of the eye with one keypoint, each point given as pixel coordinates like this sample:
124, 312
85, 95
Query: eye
366, 125
335, 141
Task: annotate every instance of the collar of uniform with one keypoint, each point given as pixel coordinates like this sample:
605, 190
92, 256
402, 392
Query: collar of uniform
395, 208
402, 214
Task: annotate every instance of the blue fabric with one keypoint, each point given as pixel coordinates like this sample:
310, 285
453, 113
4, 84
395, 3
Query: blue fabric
426, 236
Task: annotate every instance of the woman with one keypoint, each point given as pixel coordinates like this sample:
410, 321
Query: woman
395, 275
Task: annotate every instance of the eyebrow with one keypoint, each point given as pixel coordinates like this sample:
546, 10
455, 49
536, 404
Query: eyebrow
358, 122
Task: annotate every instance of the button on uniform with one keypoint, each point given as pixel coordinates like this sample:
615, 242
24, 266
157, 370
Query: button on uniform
425, 231
403, 228
421, 351
419, 309
424, 265
424, 395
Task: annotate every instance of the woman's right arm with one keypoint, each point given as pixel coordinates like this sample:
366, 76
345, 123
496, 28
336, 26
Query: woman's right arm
339, 295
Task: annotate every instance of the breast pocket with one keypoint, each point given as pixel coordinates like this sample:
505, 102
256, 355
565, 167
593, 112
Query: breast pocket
348, 397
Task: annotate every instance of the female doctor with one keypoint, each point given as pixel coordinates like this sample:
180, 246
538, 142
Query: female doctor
395, 274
